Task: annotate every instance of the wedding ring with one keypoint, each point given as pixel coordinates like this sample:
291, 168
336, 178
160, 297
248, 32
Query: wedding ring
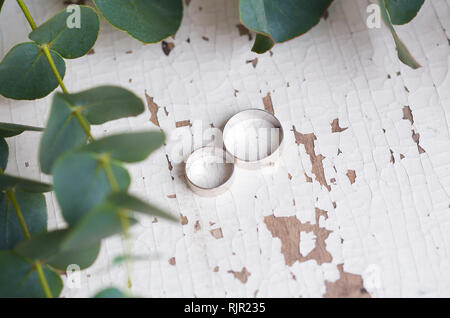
209, 171
254, 138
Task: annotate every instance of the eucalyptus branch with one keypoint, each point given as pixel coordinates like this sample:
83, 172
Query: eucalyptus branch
50, 60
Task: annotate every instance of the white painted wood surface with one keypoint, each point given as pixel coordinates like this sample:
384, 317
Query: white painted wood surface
390, 227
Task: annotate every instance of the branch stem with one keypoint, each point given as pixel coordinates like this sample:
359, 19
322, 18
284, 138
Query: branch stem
26, 232
27, 14
15, 204
54, 69
83, 124
124, 221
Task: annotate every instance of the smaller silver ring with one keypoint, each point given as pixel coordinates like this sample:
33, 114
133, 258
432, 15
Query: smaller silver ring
254, 137
209, 171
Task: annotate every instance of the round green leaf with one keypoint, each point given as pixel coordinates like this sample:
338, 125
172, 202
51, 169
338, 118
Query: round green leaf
262, 44
130, 147
26, 74
9, 182
282, 20
11, 130
34, 212
127, 201
101, 222
67, 34
83, 257
47, 248
402, 11
147, 21
4, 153
110, 292
19, 279
63, 132
105, 103
402, 50
81, 183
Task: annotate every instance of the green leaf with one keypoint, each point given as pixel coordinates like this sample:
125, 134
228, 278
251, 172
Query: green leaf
26, 74
402, 11
83, 257
11, 130
1, 4
130, 147
63, 133
19, 279
48, 248
81, 183
63, 35
101, 222
4, 153
110, 292
9, 182
402, 51
147, 21
281, 20
262, 44
127, 201
105, 103
34, 212
129, 257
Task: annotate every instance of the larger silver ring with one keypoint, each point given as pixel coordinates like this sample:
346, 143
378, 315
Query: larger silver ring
254, 138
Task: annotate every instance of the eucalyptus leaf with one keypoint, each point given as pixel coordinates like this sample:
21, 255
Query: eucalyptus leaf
402, 11
70, 37
129, 257
9, 182
11, 130
4, 153
81, 183
101, 222
19, 279
48, 248
402, 51
147, 21
63, 133
127, 201
34, 212
281, 20
110, 292
105, 103
129, 147
26, 74
262, 44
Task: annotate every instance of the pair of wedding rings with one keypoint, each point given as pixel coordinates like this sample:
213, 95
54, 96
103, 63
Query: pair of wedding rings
252, 139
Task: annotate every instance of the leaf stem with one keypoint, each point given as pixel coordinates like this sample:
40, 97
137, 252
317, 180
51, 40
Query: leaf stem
26, 232
53, 67
27, 14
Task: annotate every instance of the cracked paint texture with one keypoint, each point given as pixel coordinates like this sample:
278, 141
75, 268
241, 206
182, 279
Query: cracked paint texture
363, 180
